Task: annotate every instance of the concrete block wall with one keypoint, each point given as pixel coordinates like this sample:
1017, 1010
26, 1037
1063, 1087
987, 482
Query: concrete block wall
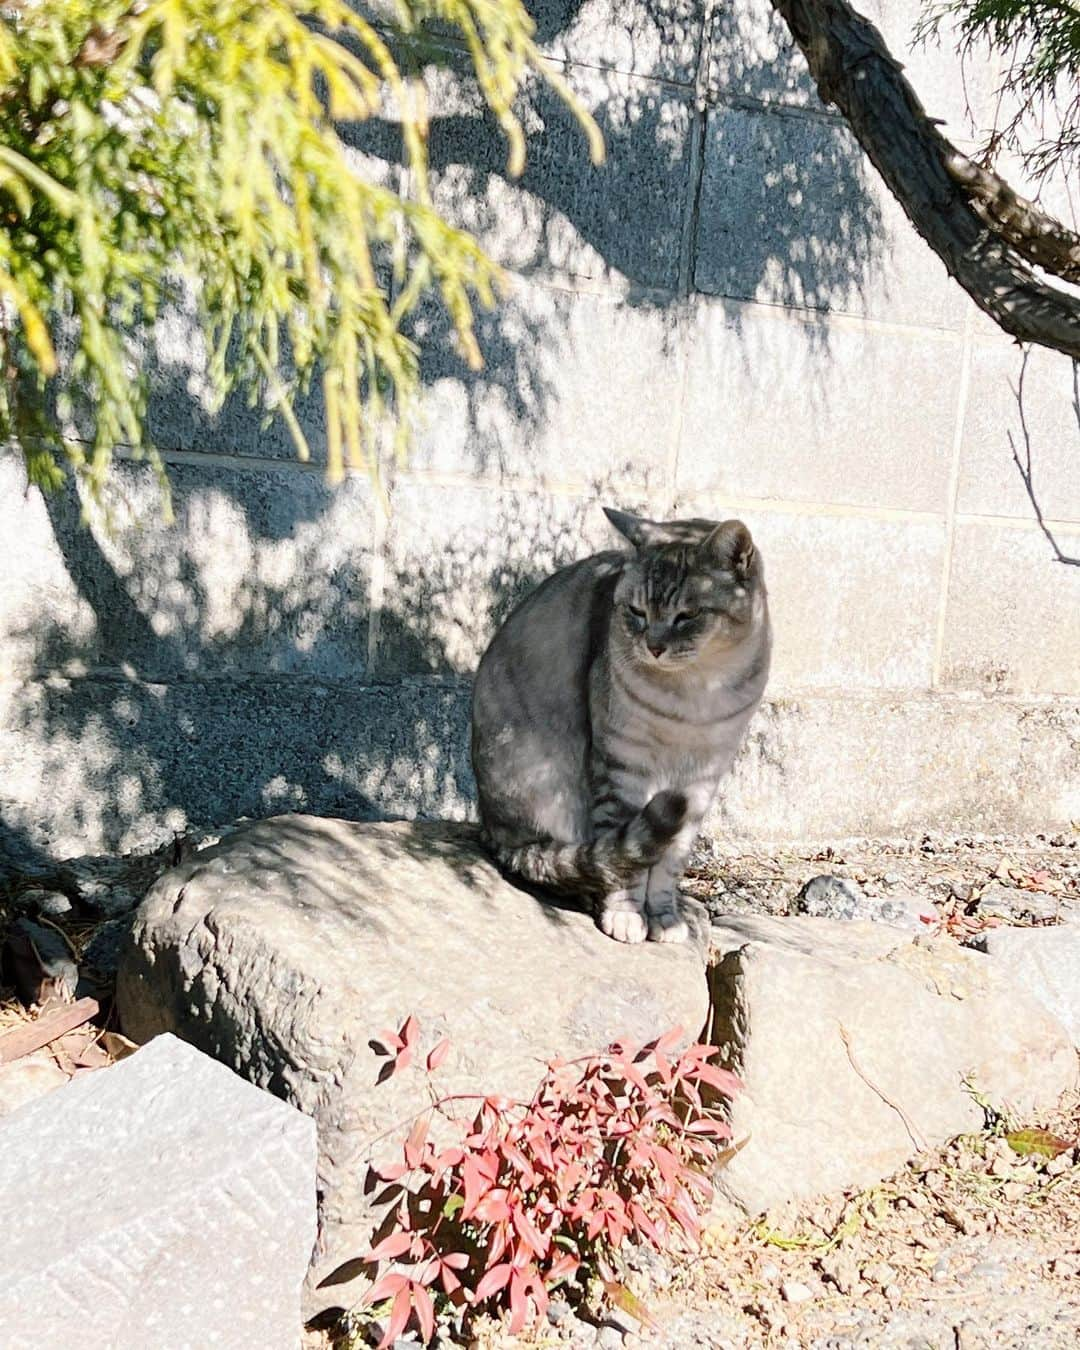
731, 316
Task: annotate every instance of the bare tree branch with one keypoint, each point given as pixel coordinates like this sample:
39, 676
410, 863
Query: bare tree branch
855, 71
1037, 236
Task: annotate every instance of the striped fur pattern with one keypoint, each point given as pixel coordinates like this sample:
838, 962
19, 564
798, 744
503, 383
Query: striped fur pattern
608, 707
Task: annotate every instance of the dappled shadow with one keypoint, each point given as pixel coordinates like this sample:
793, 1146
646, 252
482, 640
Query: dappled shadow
280, 648
193, 699
1021, 449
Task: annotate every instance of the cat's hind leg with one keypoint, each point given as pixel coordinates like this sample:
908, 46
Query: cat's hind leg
621, 914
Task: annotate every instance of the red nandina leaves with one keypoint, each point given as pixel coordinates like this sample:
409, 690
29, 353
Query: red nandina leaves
544, 1192
414, 1145
399, 1316
498, 1277
425, 1312
397, 1244
389, 1284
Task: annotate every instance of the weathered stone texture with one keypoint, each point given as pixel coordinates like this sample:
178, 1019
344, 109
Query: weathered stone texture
854, 1045
284, 950
159, 1202
1046, 963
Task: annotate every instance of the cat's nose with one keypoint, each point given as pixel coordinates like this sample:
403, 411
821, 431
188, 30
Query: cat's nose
656, 644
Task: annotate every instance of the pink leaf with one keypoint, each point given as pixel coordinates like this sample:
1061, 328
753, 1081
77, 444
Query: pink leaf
528, 1233
390, 1040
415, 1143
492, 1207
389, 1247
389, 1284
717, 1128
438, 1054
475, 1186
563, 1267
669, 1040
721, 1079
410, 1031
399, 1317
495, 1280
425, 1312
519, 1307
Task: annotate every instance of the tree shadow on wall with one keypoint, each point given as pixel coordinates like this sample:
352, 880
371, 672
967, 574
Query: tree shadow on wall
237, 664
225, 669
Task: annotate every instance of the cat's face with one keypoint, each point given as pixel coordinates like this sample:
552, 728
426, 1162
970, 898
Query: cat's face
691, 589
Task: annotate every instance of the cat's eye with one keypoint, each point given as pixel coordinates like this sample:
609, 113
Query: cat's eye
636, 616
686, 618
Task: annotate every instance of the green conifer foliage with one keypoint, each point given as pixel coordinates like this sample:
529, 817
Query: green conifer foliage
158, 151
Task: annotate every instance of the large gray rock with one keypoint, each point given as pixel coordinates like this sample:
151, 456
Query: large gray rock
159, 1202
288, 947
1046, 962
854, 1044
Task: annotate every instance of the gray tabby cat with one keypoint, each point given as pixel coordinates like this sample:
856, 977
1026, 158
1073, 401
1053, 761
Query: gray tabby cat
607, 708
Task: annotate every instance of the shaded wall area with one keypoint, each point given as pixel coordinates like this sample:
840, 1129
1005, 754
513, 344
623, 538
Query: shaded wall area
730, 317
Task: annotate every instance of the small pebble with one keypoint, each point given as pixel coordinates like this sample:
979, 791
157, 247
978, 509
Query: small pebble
609, 1337
879, 1273
558, 1310
53, 904
794, 1291
987, 1270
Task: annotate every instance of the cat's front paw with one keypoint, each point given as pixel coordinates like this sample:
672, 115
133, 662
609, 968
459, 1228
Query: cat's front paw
623, 923
665, 922
668, 927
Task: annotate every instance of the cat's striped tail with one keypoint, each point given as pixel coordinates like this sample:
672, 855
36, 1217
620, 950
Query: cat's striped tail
611, 861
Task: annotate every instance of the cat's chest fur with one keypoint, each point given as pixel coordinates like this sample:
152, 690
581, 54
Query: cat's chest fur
683, 724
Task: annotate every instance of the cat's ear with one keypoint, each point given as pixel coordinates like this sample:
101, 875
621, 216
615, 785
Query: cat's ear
730, 546
638, 531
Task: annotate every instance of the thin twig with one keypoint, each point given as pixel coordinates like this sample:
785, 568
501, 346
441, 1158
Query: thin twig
917, 1137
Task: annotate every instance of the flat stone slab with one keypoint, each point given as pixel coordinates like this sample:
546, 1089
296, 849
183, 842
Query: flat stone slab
854, 1043
285, 949
1046, 962
159, 1202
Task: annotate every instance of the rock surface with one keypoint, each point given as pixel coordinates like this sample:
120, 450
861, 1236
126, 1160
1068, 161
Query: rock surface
287, 947
833, 897
1046, 962
1014, 904
853, 1043
159, 1202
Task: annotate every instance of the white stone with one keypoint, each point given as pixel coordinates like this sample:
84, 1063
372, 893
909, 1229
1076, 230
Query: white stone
159, 1202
